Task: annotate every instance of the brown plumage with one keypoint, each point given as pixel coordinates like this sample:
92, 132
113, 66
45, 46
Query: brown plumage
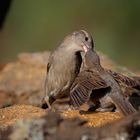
127, 81
64, 65
101, 86
84, 84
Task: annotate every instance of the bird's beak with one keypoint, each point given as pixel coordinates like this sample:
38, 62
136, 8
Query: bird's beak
90, 53
85, 47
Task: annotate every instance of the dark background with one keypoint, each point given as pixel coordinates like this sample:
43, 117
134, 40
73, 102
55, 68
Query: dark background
38, 25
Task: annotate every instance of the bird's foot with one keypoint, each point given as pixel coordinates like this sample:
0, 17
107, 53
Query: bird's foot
62, 108
91, 109
46, 103
84, 112
109, 109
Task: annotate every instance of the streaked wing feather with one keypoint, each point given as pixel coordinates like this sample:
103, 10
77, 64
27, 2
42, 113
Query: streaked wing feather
83, 85
120, 78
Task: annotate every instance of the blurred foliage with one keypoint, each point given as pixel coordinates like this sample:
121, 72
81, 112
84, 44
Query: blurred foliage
38, 25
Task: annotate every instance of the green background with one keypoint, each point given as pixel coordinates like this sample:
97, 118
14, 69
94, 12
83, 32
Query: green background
38, 25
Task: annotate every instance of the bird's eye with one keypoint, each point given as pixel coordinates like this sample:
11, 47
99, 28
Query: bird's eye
86, 38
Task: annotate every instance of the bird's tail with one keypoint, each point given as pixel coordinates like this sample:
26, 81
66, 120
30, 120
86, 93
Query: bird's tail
122, 104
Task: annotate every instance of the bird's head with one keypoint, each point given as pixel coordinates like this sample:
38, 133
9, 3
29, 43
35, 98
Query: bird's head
83, 40
80, 41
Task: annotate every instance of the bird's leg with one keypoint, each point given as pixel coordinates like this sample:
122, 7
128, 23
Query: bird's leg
47, 101
91, 108
106, 101
108, 109
106, 104
63, 104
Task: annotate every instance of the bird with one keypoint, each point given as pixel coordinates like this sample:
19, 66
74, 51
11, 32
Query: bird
64, 65
101, 88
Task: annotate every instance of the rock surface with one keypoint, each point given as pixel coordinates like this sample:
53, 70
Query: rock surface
22, 88
22, 82
52, 126
9, 115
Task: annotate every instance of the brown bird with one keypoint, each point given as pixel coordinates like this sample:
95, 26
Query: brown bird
99, 86
64, 65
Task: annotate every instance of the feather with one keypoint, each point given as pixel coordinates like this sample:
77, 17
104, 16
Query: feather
83, 85
130, 82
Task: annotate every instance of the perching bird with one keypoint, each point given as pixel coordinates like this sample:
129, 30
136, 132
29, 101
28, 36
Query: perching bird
99, 86
64, 65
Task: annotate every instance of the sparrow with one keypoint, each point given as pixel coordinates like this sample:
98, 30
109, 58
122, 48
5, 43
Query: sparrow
64, 65
100, 88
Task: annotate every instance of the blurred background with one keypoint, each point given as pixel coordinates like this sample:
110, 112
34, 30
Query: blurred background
40, 25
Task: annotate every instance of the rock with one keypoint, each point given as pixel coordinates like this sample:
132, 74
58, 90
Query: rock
52, 126
22, 82
125, 129
9, 115
94, 119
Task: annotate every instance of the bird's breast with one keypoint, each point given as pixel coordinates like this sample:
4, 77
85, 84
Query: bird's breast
65, 70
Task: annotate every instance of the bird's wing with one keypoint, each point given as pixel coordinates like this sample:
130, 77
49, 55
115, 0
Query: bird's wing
83, 85
120, 78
